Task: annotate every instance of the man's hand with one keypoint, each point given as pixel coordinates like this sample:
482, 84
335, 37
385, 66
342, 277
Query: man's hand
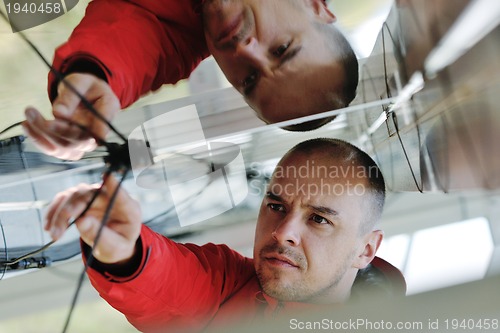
59, 137
118, 237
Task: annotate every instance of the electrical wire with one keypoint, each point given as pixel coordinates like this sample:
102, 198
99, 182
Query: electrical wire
99, 140
11, 127
395, 121
90, 257
387, 88
31, 184
365, 69
111, 149
46, 246
5, 247
61, 78
393, 114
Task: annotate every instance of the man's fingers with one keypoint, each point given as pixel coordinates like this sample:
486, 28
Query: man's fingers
62, 149
64, 132
35, 127
54, 205
106, 102
62, 217
57, 137
120, 233
129, 208
68, 205
111, 247
96, 91
64, 137
66, 103
39, 138
88, 227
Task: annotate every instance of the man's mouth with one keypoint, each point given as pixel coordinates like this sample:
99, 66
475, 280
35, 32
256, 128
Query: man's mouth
280, 260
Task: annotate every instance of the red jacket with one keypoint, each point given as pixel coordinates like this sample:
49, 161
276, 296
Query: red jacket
138, 45
185, 287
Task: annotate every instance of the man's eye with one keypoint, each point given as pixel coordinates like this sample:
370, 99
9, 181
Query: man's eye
281, 50
250, 79
276, 207
319, 219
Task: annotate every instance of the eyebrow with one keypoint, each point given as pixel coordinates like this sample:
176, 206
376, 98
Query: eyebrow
324, 210
274, 197
290, 55
320, 209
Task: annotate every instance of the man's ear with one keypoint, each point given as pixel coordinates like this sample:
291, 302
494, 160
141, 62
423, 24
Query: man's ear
321, 11
371, 244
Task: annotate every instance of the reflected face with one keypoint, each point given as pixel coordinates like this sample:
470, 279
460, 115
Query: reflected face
273, 55
308, 245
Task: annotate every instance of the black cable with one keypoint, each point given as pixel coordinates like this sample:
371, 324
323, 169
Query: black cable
386, 76
387, 88
393, 114
365, 69
11, 127
113, 149
46, 246
90, 257
61, 78
5, 247
395, 121
32, 186
92, 157
99, 140
29, 255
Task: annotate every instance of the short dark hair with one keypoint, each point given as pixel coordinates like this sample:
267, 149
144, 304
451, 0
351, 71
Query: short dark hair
341, 51
348, 152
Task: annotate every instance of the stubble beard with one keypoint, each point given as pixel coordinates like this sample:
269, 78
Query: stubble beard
299, 291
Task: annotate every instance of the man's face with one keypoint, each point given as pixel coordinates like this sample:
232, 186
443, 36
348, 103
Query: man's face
272, 54
308, 245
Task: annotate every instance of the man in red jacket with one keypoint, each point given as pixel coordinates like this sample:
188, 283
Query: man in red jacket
284, 56
317, 232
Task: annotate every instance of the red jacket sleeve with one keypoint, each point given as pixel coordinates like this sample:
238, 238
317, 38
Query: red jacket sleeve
177, 286
138, 44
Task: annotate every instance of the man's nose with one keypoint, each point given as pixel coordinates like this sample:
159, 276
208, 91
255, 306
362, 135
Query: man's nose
288, 231
250, 51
